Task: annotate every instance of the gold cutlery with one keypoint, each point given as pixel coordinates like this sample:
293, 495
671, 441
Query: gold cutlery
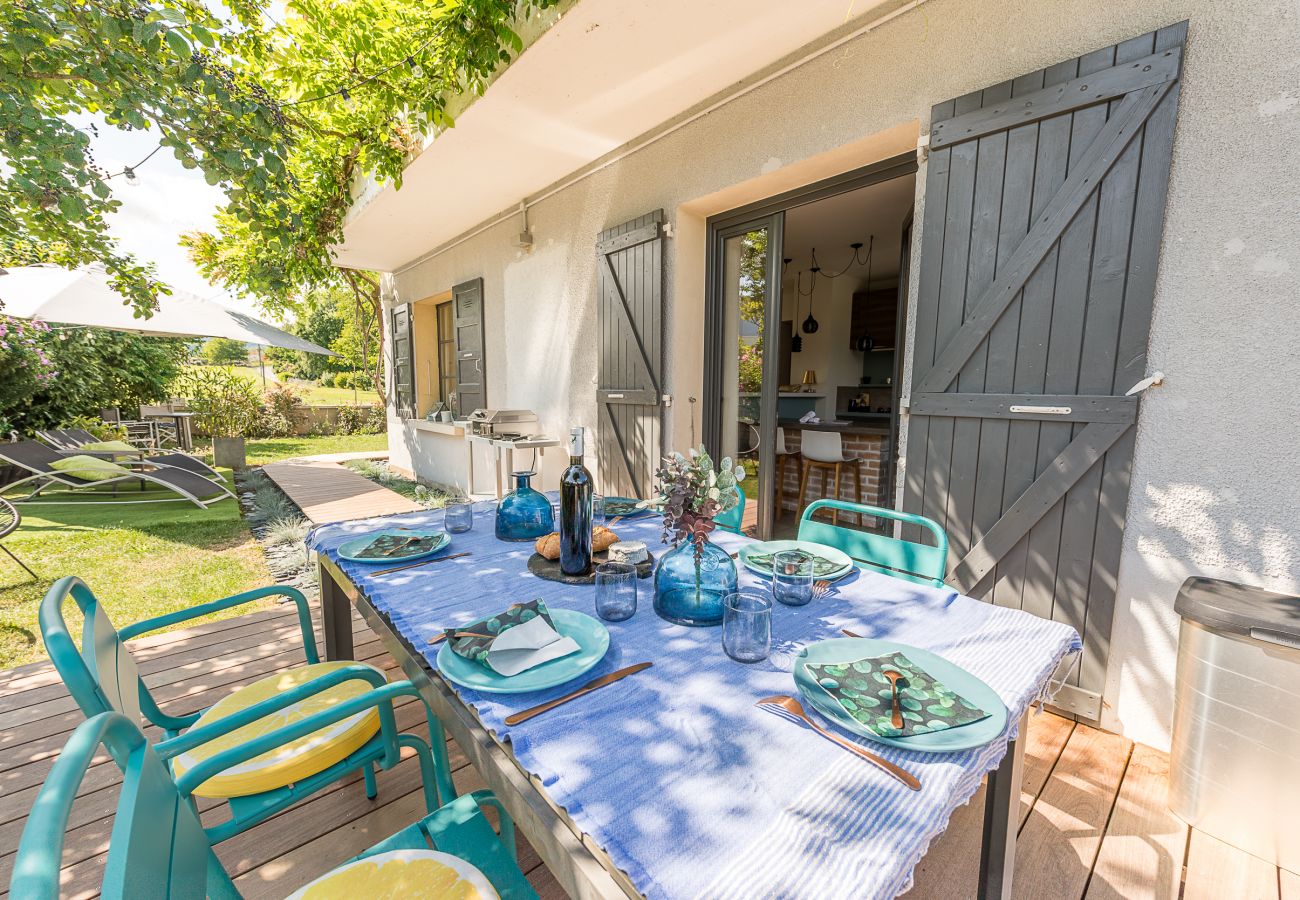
896, 714
847, 633
442, 636
595, 684
423, 562
820, 589
791, 709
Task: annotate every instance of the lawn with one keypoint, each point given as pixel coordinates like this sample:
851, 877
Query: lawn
309, 392
265, 450
140, 560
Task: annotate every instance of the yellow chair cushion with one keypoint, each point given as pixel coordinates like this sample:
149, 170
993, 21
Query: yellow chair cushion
90, 468
413, 874
110, 447
295, 760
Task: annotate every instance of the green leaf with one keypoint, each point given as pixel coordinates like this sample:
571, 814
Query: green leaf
175, 16
177, 44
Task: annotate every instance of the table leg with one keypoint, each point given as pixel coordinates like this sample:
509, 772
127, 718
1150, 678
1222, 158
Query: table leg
1002, 820
336, 616
498, 472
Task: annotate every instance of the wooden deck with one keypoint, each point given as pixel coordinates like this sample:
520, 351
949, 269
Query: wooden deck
1093, 818
328, 492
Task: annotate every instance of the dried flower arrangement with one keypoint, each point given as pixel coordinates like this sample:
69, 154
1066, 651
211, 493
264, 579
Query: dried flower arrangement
691, 492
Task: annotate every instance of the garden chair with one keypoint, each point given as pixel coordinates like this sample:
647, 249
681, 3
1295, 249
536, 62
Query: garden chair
75, 440
919, 563
733, 519
10, 519
41, 461
158, 848
310, 726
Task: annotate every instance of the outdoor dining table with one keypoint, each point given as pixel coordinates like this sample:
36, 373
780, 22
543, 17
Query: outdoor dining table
671, 783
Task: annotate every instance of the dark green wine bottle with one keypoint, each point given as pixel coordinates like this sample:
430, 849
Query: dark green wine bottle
575, 511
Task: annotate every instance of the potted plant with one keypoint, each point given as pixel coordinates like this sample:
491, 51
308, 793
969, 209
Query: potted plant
694, 578
225, 406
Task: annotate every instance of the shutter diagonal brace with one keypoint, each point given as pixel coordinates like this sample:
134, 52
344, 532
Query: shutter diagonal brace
631, 326
1080, 455
1105, 149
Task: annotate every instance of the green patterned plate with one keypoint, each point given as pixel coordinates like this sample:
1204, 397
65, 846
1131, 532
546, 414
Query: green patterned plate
954, 677
420, 546
592, 638
834, 565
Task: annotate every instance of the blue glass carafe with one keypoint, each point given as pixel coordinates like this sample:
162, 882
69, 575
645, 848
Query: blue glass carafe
690, 588
524, 514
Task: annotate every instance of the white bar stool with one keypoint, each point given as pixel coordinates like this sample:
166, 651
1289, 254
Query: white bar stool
782, 455
824, 451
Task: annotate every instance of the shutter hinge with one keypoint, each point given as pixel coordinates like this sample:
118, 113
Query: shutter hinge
668, 229
667, 399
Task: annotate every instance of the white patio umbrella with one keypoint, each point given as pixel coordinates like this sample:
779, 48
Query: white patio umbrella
84, 297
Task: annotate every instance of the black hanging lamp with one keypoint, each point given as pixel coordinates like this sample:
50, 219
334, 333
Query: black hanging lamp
796, 342
810, 324
866, 343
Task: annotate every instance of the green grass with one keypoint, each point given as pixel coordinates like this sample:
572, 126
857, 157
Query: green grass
140, 560
265, 450
312, 394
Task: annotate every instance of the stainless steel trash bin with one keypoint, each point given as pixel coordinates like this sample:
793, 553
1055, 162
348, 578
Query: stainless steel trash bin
1235, 762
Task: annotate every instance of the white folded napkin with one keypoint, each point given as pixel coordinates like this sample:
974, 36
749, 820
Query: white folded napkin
527, 645
809, 418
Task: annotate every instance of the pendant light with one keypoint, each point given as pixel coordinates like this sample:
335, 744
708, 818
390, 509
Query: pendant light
810, 324
866, 343
796, 342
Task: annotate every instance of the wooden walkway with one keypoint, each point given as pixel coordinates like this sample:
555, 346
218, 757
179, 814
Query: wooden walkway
1093, 819
328, 492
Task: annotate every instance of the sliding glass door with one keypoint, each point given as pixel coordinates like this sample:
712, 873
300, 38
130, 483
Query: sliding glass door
741, 377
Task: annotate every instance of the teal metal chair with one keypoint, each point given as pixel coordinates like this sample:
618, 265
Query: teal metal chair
158, 848
919, 563
102, 677
733, 519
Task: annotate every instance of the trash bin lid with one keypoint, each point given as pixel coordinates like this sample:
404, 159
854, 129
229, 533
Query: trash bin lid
1228, 606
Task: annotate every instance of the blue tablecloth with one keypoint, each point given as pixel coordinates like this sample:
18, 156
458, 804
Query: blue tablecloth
690, 789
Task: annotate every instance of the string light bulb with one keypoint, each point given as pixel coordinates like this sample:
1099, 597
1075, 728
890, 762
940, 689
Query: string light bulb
347, 97
416, 69
131, 177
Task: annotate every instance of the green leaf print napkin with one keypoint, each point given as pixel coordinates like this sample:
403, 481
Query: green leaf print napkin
393, 546
865, 694
532, 639
821, 566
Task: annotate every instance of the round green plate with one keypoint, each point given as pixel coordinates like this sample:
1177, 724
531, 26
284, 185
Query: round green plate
591, 636
349, 549
824, 551
954, 677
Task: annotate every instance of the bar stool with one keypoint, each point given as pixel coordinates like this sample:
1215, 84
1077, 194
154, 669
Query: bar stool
824, 451
782, 455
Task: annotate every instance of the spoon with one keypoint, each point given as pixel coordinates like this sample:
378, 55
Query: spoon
894, 679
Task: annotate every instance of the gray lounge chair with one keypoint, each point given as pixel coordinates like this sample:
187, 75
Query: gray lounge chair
38, 459
10, 519
71, 440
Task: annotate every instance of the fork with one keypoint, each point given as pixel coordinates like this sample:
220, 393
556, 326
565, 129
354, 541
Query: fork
820, 589
792, 710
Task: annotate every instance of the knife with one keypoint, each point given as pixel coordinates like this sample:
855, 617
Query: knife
595, 684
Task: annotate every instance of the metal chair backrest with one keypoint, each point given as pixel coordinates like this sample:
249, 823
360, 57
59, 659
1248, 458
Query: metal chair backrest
10, 518
734, 518
59, 438
911, 561
32, 456
157, 847
100, 675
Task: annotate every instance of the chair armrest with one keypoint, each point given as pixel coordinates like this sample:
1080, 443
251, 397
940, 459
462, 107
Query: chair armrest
203, 609
381, 696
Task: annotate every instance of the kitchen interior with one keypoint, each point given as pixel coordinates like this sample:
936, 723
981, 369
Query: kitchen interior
843, 269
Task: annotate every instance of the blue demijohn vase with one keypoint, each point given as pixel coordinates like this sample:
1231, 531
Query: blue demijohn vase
524, 514
690, 590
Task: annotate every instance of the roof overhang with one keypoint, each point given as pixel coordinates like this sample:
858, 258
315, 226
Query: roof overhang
604, 74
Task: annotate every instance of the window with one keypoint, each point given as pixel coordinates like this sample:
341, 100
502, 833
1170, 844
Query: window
446, 351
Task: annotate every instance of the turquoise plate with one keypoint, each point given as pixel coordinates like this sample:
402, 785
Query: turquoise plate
626, 508
825, 552
349, 549
957, 679
593, 641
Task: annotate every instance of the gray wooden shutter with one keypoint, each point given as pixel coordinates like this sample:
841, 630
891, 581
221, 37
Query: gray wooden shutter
629, 386
403, 362
1044, 207
471, 374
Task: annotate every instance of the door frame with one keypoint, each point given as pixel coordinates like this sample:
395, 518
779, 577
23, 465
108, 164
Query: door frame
770, 213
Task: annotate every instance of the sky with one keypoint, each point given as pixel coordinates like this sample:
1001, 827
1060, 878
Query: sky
165, 203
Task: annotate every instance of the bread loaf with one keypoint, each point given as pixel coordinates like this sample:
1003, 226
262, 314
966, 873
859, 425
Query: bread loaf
601, 539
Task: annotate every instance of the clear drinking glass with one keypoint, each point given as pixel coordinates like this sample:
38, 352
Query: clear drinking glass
615, 591
459, 517
747, 626
792, 577
597, 510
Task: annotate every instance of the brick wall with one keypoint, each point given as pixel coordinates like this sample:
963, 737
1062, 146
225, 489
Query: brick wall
873, 449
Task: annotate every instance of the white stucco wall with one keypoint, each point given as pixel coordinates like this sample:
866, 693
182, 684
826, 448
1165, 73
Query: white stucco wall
1216, 481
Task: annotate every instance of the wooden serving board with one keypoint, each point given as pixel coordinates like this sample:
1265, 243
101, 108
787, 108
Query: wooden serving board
550, 568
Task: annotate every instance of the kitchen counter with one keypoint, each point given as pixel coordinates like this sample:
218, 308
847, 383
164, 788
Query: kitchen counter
881, 427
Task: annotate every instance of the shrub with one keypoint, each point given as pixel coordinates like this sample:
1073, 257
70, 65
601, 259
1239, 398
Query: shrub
224, 403
104, 431
275, 419
361, 420
362, 382
269, 504
328, 379
287, 530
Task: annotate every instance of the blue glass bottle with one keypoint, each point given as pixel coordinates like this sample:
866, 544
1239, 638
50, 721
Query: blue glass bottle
691, 591
524, 514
